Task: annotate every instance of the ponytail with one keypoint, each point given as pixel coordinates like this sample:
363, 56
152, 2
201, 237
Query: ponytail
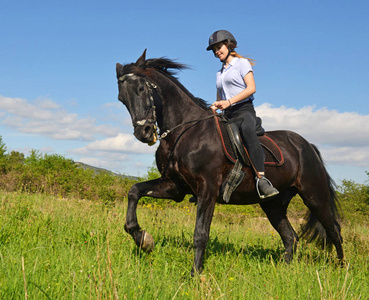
251, 61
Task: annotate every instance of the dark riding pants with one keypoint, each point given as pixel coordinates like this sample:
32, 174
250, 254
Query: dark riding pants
245, 117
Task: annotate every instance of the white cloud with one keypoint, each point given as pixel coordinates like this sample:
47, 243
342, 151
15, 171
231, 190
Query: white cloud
347, 155
113, 105
124, 163
318, 125
343, 138
120, 143
47, 118
47, 149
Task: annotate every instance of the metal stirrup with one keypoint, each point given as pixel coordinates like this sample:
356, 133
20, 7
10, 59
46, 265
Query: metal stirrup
257, 186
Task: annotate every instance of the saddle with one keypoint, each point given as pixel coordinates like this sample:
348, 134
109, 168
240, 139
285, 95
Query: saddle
234, 149
236, 152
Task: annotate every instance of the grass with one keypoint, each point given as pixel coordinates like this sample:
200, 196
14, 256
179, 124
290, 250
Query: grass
55, 248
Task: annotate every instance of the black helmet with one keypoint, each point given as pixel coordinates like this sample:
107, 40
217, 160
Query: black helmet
220, 36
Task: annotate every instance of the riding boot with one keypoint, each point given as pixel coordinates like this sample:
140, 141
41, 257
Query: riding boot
265, 188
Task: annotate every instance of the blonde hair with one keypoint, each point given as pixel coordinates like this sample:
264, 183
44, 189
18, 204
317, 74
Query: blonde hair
232, 46
252, 61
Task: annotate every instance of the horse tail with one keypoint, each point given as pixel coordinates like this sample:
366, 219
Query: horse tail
313, 230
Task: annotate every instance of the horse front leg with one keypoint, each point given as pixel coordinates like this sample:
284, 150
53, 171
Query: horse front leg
157, 188
205, 211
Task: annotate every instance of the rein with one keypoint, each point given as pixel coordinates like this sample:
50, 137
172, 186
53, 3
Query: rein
164, 134
153, 87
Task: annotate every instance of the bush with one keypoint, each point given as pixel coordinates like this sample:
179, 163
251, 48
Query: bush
354, 198
56, 175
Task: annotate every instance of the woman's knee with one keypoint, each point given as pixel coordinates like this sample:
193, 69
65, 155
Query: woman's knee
248, 128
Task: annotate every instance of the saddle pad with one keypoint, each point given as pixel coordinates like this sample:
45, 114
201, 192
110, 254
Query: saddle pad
273, 154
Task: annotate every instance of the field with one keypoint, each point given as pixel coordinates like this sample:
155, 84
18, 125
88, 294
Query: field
63, 248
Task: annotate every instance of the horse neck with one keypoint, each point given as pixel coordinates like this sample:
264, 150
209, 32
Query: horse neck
177, 105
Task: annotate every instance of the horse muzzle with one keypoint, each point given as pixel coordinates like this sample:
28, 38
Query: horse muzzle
146, 133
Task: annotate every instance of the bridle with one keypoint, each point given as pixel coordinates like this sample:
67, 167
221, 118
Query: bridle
151, 88
154, 88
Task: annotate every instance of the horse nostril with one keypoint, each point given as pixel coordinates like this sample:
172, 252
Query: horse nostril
147, 130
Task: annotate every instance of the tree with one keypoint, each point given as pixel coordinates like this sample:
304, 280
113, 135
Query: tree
2, 147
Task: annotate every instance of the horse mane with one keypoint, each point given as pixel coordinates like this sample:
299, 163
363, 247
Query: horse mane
169, 68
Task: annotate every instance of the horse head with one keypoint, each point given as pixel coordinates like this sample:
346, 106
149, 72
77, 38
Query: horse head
155, 97
136, 93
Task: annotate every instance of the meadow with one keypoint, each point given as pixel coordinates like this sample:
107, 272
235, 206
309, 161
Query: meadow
58, 248
62, 237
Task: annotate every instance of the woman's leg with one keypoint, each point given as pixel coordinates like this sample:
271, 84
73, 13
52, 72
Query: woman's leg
247, 129
246, 120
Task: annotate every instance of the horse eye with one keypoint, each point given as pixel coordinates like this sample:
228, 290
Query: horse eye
141, 89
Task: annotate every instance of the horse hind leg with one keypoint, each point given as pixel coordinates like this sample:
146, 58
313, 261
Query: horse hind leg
321, 215
323, 220
276, 211
317, 190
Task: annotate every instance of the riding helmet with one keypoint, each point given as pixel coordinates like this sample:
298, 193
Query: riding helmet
220, 36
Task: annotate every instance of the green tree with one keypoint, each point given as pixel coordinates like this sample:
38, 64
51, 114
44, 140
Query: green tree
16, 158
2, 147
152, 173
2, 156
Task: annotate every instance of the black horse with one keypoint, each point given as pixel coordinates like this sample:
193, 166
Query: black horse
191, 160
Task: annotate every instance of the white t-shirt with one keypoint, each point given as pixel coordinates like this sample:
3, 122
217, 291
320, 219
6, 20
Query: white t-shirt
231, 82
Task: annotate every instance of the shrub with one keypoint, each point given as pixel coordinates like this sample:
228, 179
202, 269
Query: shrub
354, 198
56, 175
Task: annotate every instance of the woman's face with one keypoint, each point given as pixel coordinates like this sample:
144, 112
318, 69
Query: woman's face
221, 51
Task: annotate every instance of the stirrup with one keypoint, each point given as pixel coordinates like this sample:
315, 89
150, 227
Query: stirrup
257, 187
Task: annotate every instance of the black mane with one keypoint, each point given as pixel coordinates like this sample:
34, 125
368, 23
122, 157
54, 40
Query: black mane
169, 68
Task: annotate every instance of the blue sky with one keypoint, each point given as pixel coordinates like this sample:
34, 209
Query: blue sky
58, 90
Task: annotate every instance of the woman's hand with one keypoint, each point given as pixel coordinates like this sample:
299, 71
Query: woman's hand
213, 108
222, 105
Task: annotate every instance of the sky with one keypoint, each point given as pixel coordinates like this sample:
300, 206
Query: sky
58, 87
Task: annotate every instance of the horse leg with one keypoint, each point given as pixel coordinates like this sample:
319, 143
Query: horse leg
323, 212
205, 211
316, 189
157, 188
276, 211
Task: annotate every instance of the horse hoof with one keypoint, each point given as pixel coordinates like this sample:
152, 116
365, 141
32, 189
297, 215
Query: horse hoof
343, 263
148, 243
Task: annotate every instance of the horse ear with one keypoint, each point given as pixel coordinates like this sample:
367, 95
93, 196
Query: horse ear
140, 62
119, 68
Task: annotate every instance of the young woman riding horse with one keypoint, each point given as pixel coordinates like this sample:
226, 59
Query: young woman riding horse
191, 160
235, 95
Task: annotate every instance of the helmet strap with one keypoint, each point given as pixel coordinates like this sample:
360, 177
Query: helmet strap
224, 60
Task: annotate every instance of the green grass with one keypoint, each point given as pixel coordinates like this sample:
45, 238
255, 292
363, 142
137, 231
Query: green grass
74, 249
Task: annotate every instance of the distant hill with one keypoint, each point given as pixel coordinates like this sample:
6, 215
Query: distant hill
99, 170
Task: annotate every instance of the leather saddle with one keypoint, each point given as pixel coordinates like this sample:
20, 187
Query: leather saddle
236, 152
236, 140
234, 148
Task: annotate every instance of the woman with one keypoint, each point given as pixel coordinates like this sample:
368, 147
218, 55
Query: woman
235, 95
